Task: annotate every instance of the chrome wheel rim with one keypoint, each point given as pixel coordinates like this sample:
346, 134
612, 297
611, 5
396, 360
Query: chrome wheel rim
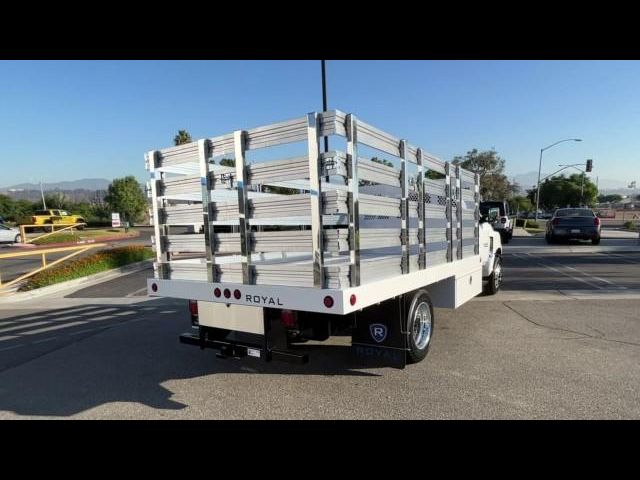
497, 277
422, 325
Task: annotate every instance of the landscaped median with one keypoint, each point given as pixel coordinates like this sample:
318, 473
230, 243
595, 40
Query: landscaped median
98, 262
85, 236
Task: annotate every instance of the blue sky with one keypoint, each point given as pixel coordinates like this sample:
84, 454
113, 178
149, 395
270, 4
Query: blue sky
65, 120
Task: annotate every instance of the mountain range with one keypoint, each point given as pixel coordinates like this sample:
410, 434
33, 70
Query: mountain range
82, 184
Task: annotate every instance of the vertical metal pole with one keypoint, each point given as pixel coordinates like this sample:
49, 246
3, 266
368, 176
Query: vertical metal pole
476, 216
582, 190
241, 185
354, 205
447, 179
315, 193
207, 209
421, 213
324, 101
404, 207
44, 205
538, 192
459, 211
162, 269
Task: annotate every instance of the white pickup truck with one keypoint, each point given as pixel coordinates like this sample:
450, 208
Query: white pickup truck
300, 245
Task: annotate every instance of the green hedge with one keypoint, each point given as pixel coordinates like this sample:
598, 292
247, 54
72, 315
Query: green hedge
630, 225
525, 222
81, 267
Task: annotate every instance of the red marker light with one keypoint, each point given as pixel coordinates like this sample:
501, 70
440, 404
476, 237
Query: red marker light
237, 294
217, 292
328, 301
352, 300
227, 293
154, 287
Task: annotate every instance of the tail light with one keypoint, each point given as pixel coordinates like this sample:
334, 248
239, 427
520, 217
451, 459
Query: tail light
596, 221
288, 318
33, 219
503, 220
328, 301
193, 310
555, 221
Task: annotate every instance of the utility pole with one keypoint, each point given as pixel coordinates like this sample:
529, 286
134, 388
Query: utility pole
44, 205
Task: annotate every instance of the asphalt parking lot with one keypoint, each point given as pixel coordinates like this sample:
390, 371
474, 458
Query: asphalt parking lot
561, 340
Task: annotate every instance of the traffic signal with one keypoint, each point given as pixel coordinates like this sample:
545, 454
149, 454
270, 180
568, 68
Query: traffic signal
589, 165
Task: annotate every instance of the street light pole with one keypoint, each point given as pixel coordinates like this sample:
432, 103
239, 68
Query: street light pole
540, 167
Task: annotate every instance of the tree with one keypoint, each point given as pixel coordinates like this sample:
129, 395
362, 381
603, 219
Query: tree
126, 197
182, 137
228, 162
494, 184
560, 191
613, 198
520, 204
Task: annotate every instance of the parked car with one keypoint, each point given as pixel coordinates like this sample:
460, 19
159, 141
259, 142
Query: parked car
9, 234
504, 223
578, 223
2, 220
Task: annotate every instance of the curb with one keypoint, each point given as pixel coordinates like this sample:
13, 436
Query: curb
78, 282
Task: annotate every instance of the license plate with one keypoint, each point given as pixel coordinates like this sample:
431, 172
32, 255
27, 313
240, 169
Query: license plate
253, 352
575, 230
560, 231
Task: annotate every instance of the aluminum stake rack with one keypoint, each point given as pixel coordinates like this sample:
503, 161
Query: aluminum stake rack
329, 232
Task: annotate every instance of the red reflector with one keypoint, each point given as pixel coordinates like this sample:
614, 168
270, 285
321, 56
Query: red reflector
237, 294
503, 220
193, 307
328, 301
596, 221
555, 221
227, 293
352, 300
217, 292
154, 287
288, 318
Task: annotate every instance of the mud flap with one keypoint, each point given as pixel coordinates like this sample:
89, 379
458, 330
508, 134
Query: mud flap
379, 335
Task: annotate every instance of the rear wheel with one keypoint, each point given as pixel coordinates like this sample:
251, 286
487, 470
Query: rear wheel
550, 239
495, 279
595, 241
419, 326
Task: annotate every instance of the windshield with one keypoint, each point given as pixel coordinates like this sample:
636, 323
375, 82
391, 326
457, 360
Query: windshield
485, 207
574, 212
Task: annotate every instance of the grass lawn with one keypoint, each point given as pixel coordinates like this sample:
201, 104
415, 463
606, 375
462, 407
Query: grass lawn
76, 235
535, 230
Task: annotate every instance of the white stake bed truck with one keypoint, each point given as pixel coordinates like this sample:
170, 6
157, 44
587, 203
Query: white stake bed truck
300, 242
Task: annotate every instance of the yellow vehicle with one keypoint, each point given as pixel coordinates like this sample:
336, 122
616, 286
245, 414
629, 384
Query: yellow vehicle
53, 216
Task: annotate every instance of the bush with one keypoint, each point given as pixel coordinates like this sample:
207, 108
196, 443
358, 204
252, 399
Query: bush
630, 225
81, 267
521, 222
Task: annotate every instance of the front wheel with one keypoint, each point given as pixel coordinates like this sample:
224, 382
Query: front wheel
495, 279
18, 239
419, 326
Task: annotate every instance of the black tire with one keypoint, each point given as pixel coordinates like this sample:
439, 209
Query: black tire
595, 241
420, 303
504, 238
493, 286
80, 227
550, 239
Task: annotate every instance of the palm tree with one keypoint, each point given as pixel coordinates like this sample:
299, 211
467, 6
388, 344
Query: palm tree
182, 137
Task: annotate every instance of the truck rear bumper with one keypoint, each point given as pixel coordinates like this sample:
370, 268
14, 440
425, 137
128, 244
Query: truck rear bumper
238, 349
